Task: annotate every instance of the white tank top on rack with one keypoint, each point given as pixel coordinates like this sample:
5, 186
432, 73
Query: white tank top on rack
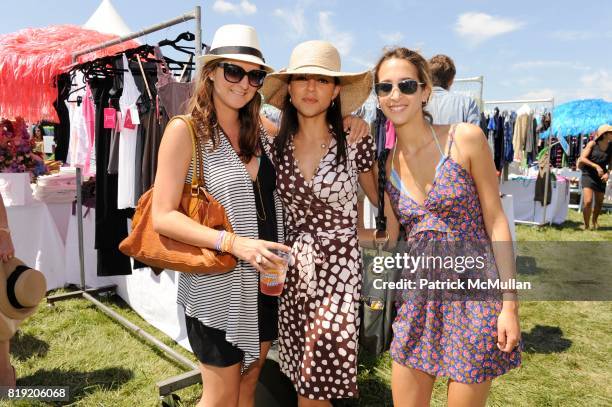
127, 140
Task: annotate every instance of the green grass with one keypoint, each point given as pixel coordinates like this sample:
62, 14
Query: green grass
569, 231
566, 360
73, 344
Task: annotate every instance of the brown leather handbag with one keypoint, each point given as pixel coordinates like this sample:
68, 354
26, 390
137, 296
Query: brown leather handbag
161, 252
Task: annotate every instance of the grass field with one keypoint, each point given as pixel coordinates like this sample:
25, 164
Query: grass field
566, 362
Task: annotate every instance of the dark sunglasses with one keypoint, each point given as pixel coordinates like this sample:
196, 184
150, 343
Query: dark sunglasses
407, 87
234, 74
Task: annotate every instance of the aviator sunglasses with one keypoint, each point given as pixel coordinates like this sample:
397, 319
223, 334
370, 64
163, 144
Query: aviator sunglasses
234, 74
407, 87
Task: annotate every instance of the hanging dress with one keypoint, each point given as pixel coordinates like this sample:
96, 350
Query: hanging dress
127, 140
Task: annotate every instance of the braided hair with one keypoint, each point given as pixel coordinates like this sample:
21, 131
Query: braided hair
381, 219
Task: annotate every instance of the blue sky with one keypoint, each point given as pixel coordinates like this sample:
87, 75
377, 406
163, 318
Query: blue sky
524, 49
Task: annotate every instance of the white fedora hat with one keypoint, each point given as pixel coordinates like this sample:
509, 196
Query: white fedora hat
238, 42
21, 289
319, 58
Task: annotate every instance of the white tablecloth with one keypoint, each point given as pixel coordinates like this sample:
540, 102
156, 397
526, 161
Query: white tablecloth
60, 212
37, 241
526, 209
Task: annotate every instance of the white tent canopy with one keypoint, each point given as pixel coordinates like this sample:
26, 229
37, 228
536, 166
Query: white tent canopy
107, 20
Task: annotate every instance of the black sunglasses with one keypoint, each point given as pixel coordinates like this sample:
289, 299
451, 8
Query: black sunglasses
234, 74
407, 87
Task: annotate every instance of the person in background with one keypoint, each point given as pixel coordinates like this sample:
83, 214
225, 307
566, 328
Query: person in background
444, 106
595, 162
7, 373
38, 136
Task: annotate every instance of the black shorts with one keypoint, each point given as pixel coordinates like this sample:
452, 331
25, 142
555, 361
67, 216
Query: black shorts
210, 346
595, 183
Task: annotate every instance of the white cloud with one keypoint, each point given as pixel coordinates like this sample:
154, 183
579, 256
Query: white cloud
572, 35
248, 8
598, 83
479, 27
419, 46
341, 39
593, 85
549, 64
222, 6
244, 7
363, 62
545, 93
393, 38
295, 19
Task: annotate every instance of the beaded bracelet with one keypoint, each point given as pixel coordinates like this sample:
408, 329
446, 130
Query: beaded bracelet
231, 242
228, 242
219, 240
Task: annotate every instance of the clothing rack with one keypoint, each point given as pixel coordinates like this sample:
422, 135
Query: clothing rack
477, 79
193, 376
547, 177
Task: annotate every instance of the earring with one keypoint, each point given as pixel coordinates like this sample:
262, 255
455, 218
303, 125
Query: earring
333, 103
289, 99
424, 103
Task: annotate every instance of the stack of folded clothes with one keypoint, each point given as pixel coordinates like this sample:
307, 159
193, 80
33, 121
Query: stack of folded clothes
56, 188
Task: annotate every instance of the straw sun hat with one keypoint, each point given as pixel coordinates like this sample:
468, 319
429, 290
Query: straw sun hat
319, 58
238, 42
603, 129
21, 289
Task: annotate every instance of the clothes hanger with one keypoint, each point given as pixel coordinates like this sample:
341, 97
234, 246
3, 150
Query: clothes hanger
185, 36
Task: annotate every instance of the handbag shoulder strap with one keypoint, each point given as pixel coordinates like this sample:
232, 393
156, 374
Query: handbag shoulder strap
197, 178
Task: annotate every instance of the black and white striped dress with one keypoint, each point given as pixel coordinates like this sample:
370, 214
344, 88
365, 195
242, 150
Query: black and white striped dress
228, 301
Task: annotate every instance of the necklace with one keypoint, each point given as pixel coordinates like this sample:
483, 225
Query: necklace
263, 208
325, 145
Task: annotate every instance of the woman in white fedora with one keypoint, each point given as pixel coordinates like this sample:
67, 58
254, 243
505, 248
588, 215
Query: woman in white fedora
317, 175
229, 325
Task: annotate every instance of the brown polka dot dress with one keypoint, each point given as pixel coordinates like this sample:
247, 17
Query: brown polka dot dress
318, 312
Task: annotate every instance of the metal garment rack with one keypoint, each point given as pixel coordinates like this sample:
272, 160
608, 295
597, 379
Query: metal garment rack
547, 177
479, 79
193, 375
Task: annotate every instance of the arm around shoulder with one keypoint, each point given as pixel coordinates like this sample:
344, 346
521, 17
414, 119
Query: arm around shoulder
269, 126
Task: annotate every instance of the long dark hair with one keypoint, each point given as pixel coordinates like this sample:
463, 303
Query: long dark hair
289, 126
202, 110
